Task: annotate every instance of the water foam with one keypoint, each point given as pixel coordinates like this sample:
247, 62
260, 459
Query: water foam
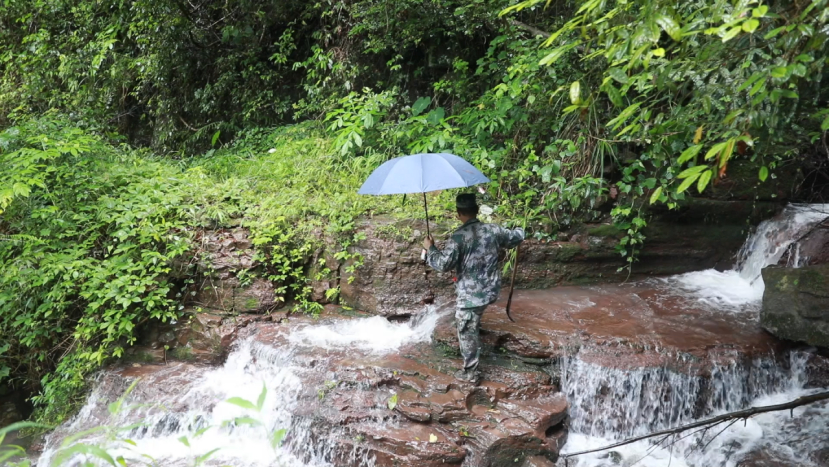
743, 285
608, 405
375, 334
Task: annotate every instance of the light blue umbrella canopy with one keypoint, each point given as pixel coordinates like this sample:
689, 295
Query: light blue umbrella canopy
420, 173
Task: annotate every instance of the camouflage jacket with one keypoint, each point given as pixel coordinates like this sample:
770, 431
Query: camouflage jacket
473, 251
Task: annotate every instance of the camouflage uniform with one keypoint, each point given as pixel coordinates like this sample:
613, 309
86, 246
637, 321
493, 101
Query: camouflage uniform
473, 252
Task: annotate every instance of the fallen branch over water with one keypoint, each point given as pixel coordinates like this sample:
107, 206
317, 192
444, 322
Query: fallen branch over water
740, 414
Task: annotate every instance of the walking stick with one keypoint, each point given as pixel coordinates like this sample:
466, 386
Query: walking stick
513, 275
512, 283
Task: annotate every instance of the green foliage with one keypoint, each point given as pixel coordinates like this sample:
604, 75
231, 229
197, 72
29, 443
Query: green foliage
677, 80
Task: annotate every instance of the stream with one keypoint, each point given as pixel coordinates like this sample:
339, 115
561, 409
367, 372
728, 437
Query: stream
322, 393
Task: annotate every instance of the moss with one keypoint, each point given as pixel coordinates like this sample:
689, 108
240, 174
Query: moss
182, 353
609, 230
566, 252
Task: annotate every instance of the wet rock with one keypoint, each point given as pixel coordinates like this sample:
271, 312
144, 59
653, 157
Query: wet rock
198, 336
810, 249
700, 234
538, 461
795, 304
229, 280
9, 414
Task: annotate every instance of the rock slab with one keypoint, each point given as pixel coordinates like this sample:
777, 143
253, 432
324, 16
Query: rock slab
795, 304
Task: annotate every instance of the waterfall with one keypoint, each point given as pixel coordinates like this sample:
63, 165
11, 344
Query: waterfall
741, 288
611, 404
180, 412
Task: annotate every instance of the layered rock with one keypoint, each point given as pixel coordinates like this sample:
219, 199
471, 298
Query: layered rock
700, 234
795, 304
229, 278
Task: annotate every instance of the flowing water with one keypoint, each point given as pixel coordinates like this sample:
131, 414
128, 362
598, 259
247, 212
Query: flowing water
608, 404
179, 412
184, 412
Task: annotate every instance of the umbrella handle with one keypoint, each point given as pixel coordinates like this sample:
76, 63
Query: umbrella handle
426, 212
429, 298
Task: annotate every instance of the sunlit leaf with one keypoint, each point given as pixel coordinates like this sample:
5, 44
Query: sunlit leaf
703, 180
763, 173
655, 195
574, 93
689, 153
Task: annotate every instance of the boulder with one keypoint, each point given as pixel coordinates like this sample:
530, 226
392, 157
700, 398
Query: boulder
795, 303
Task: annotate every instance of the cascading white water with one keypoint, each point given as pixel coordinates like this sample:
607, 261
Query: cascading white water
183, 412
742, 287
609, 404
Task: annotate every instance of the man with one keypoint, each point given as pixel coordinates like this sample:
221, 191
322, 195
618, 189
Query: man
473, 252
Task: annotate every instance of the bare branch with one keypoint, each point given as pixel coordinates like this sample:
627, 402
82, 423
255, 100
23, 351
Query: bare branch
527, 27
740, 414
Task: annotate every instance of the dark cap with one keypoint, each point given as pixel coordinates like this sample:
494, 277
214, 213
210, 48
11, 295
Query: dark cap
466, 201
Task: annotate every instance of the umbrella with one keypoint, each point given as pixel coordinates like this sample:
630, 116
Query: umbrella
420, 173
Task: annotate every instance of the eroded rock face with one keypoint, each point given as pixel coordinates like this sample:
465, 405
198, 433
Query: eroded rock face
699, 235
795, 304
228, 277
199, 337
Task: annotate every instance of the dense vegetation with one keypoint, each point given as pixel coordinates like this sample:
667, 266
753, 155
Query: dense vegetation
124, 126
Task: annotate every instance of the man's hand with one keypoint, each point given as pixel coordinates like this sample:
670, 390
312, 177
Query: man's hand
428, 242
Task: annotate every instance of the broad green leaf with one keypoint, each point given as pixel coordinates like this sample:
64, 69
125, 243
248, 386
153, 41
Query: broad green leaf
732, 115
750, 25
656, 195
727, 151
557, 53
246, 421
420, 105
574, 93
669, 25
731, 34
714, 151
691, 171
760, 12
689, 153
763, 173
778, 72
613, 94
435, 116
184, 441
238, 401
215, 137
661, 52
687, 183
749, 82
261, 399
392, 402
703, 180
618, 74
277, 437
206, 456
774, 33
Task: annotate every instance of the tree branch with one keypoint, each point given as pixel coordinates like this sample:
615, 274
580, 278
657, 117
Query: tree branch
527, 27
741, 414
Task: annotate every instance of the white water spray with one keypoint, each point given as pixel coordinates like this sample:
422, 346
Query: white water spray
182, 412
743, 285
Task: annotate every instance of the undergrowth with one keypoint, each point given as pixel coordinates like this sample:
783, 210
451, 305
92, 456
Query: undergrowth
86, 255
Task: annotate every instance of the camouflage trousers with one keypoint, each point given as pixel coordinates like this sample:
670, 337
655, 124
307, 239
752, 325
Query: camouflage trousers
468, 323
